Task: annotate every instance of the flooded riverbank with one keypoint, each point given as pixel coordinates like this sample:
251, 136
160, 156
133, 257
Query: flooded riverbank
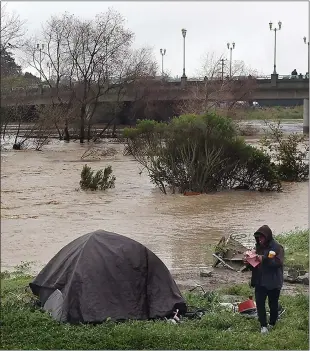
43, 210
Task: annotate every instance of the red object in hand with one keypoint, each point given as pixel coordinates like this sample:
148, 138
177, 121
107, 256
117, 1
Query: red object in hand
251, 258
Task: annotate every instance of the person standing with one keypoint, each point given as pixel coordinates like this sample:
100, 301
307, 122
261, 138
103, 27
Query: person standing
294, 73
267, 276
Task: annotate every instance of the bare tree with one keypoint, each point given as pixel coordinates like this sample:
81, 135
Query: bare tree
93, 56
32, 128
217, 89
12, 29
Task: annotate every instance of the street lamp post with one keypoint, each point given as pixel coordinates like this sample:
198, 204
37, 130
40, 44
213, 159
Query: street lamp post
306, 101
275, 44
163, 53
305, 41
230, 47
184, 35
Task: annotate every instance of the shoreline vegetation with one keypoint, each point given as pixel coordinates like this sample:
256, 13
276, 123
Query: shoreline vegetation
24, 327
271, 113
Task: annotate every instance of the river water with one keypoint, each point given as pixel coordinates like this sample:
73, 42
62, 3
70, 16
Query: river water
43, 210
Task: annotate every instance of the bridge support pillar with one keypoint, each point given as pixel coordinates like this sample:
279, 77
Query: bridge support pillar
183, 81
274, 79
306, 117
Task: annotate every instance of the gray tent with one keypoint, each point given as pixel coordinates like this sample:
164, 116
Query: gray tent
104, 275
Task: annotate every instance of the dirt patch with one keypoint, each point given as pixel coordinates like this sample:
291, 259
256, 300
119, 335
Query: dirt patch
223, 277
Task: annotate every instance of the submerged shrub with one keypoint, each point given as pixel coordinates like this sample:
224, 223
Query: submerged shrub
102, 179
200, 154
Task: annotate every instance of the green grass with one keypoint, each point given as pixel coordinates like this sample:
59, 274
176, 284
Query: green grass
27, 328
268, 113
275, 113
296, 245
238, 290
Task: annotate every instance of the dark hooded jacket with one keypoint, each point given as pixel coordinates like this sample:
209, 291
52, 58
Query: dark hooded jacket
269, 273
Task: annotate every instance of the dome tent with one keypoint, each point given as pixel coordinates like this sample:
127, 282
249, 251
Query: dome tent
104, 275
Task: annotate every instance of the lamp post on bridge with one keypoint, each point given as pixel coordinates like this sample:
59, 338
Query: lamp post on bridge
305, 41
306, 101
275, 29
184, 35
163, 53
230, 48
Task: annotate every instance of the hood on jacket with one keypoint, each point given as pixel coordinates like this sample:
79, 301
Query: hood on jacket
265, 231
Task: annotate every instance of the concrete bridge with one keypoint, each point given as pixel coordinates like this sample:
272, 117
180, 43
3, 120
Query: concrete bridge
272, 87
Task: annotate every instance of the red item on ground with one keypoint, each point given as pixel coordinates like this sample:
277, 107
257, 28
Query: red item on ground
246, 305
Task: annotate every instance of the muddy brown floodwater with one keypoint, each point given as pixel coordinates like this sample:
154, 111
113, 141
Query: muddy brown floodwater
43, 210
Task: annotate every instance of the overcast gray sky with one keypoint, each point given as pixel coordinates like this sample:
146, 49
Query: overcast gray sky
210, 25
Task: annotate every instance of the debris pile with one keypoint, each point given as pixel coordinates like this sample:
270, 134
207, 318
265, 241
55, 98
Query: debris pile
230, 253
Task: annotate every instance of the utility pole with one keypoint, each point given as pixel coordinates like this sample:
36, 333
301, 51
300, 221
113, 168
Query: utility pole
222, 71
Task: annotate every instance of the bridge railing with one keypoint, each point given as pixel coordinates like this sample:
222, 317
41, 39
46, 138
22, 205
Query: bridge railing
38, 90
265, 77
298, 77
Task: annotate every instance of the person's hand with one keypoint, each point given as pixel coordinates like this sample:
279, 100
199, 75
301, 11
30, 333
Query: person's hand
259, 258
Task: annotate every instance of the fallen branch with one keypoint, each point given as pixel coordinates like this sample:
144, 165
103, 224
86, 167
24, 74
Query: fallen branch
224, 263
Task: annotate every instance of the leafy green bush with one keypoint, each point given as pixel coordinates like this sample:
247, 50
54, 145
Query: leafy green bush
289, 152
102, 179
199, 153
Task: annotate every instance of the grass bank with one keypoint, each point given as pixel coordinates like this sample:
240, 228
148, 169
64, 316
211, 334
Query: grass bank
277, 112
26, 328
296, 246
267, 113
271, 113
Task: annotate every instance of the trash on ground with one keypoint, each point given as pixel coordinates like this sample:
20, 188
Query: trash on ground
296, 276
205, 272
247, 306
230, 253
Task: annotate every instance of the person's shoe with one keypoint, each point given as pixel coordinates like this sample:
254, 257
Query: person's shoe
270, 326
264, 330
